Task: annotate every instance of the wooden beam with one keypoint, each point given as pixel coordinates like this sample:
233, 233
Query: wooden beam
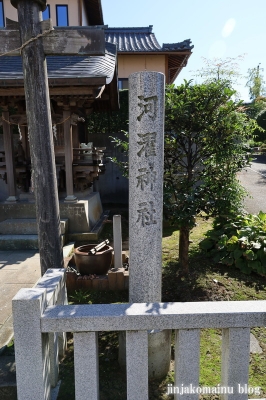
82, 41
4, 83
54, 91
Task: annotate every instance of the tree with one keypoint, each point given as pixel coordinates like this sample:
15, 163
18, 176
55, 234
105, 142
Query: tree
205, 135
255, 83
110, 122
221, 68
257, 107
204, 148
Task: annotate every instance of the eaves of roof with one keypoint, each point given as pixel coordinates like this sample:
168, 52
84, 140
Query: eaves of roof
68, 75
94, 12
142, 40
80, 69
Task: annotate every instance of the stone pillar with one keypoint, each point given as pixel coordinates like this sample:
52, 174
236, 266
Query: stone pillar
9, 158
68, 157
146, 168
117, 235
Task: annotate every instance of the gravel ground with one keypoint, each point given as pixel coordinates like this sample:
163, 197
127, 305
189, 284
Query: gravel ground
254, 181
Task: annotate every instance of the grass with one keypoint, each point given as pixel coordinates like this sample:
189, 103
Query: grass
207, 282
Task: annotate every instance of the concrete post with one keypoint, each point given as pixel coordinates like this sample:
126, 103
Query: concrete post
137, 365
235, 363
86, 365
187, 358
32, 346
117, 236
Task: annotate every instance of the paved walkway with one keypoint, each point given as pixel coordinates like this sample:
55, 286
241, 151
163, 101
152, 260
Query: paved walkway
254, 181
18, 269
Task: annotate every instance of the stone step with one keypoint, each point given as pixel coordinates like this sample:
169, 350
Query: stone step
21, 242
25, 226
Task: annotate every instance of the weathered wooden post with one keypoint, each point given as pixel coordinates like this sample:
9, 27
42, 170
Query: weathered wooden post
34, 43
40, 133
9, 155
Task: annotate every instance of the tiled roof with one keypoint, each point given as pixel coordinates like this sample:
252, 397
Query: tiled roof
65, 66
141, 40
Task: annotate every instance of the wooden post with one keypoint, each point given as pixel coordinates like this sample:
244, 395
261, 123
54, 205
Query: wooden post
68, 157
40, 134
9, 157
24, 139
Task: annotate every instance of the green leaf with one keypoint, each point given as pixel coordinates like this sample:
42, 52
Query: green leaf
228, 261
238, 253
250, 255
232, 240
206, 244
241, 263
262, 256
254, 265
222, 242
262, 216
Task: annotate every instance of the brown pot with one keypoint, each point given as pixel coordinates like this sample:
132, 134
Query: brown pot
98, 263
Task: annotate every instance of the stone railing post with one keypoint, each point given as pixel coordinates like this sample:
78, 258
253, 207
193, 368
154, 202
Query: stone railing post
32, 346
54, 281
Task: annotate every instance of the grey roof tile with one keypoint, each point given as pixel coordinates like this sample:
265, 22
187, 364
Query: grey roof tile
66, 66
141, 39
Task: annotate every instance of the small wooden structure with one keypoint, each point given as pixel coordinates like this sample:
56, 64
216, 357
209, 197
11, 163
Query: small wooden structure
78, 84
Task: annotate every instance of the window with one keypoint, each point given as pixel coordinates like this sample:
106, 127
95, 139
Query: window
122, 83
46, 13
62, 15
2, 18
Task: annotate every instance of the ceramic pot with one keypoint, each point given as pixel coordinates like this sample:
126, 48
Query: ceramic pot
98, 263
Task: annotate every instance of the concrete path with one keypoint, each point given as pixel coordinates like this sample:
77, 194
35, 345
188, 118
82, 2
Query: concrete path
18, 269
254, 181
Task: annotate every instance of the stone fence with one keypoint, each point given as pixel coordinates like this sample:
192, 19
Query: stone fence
41, 312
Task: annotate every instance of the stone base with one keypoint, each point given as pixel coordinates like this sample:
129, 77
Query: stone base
115, 279
82, 215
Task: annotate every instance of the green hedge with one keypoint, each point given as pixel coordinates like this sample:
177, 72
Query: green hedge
240, 243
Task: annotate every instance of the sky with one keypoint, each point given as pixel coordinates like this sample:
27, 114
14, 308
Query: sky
217, 29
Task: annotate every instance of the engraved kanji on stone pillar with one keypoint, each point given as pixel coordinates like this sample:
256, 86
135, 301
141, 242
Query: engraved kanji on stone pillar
146, 147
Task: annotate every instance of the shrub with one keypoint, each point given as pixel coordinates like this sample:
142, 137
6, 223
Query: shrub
240, 243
